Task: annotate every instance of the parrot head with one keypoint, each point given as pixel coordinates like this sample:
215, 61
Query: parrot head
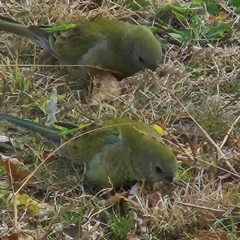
146, 51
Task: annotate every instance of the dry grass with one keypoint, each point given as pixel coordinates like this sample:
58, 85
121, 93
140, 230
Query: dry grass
195, 97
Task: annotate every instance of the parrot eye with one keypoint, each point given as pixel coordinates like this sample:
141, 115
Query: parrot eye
158, 169
141, 60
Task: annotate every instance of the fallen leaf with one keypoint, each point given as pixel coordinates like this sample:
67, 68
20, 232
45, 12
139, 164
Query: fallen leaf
13, 236
118, 197
50, 157
160, 130
106, 88
28, 202
11, 165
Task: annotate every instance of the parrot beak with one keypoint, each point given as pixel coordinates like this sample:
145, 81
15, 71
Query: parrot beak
169, 178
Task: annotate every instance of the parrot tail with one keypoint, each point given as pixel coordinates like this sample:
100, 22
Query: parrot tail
34, 33
51, 134
9, 25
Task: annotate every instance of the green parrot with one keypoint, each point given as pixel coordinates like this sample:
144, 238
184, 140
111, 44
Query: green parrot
109, 44
117, 152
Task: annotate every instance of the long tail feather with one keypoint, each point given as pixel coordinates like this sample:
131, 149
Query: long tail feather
9, 25
34, 33
50, 133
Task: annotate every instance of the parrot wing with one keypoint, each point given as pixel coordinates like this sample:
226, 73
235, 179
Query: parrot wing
67, 44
